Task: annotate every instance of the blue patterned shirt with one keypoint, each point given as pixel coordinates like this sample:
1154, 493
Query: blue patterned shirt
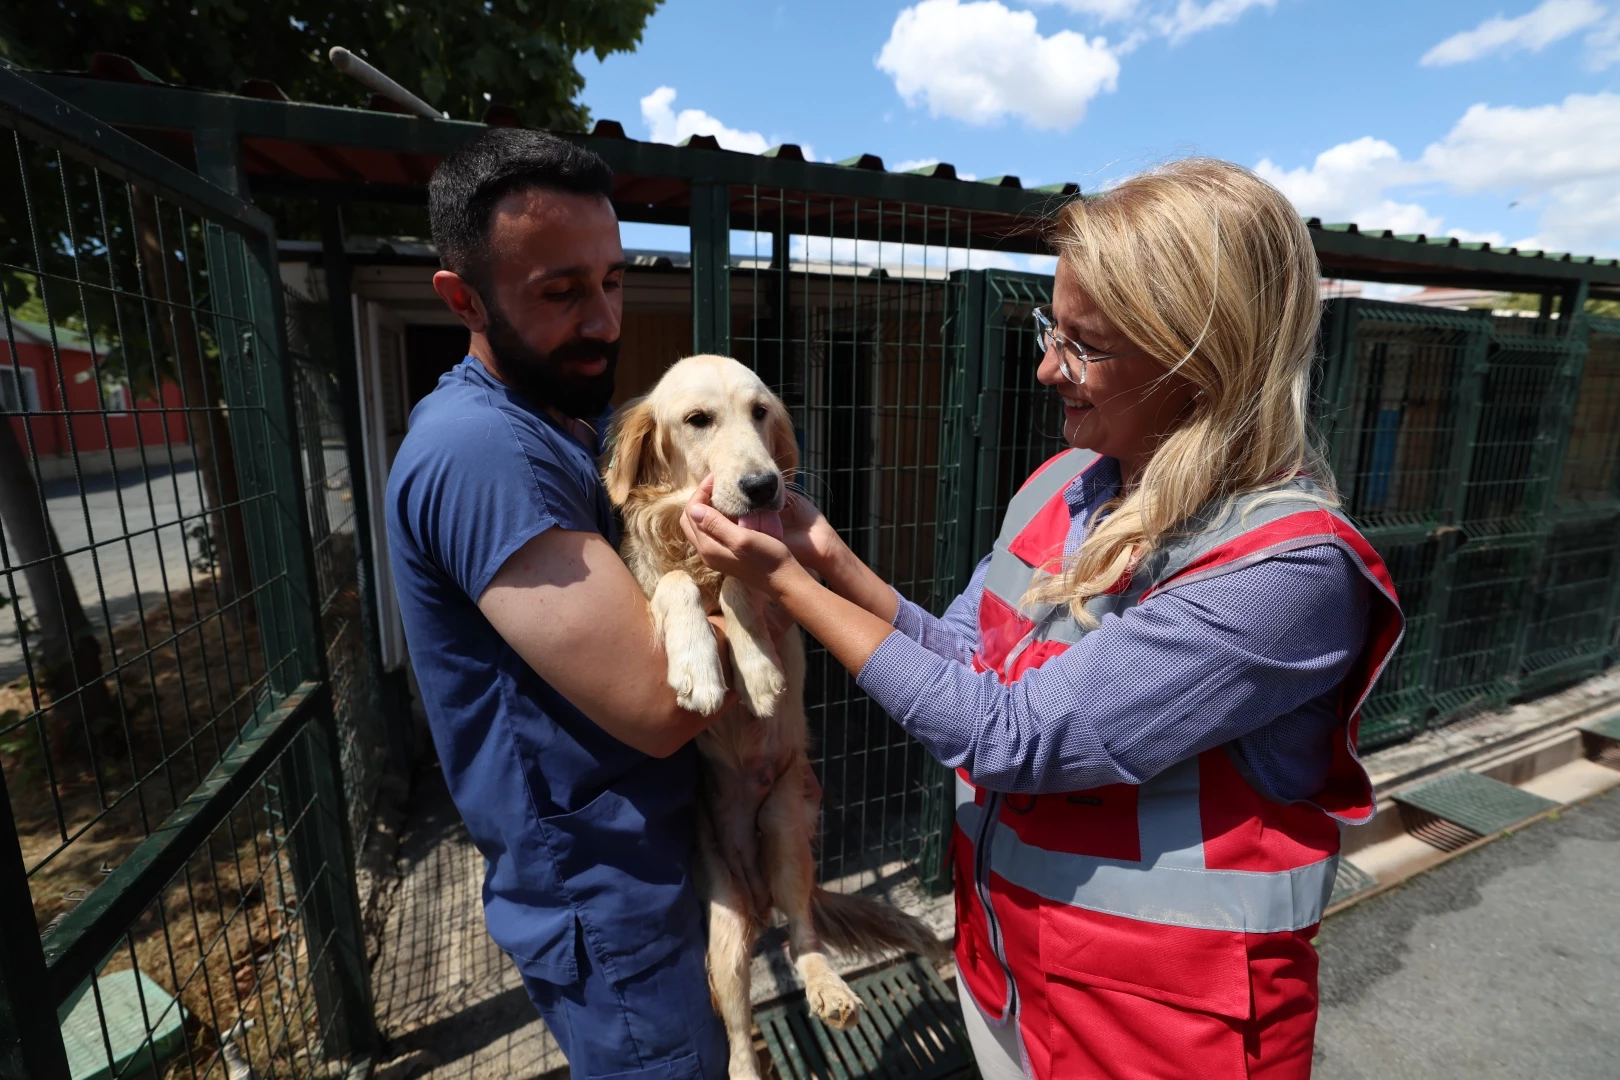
1253, 658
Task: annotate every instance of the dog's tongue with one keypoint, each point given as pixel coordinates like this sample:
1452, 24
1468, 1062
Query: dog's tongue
768, 522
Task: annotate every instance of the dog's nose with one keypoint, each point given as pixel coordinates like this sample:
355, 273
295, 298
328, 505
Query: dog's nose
760, 487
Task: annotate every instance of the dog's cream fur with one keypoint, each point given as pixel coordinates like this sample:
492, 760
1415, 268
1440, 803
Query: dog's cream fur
710, 414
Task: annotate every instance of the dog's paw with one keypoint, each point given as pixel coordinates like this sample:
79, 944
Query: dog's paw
698, 680
833, 1001
760, 682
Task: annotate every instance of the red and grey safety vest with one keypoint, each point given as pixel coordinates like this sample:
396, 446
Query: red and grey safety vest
1161, 889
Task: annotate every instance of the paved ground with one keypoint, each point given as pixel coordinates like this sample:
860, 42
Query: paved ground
1502, 963
131, 574
441, 984
130, 540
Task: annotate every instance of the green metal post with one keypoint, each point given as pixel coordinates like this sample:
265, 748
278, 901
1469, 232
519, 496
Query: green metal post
711, 267
258, 385
1556, 429
30, 1037
958, 499
1470, 403
335, 263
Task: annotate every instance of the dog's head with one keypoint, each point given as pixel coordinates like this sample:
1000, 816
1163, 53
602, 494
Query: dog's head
708, 414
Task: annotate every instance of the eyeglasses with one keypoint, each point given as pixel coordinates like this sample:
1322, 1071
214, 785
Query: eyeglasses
1048, 337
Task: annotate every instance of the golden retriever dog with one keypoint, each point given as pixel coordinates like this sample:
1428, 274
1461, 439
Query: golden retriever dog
759, 801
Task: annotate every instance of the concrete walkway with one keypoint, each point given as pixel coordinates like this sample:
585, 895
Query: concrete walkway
1501, 963
441, 984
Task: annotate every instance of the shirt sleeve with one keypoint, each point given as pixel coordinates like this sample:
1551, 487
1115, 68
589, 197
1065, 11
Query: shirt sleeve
1192, 668
954, 635
490, 484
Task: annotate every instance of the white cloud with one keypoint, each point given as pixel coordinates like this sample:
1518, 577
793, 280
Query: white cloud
1190, 17
1347, 183
1603, 44
1560, 159
1106, 10
981, 62
665, 125
1553, 21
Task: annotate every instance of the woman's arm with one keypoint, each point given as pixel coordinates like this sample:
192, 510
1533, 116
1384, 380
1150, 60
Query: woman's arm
1194, 667
817, 545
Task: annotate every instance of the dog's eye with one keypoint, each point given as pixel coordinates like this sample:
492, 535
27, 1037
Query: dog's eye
699, 419
759, 412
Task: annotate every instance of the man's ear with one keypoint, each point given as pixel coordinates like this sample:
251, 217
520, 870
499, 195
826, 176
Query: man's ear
462, 299
633, 450
780, 439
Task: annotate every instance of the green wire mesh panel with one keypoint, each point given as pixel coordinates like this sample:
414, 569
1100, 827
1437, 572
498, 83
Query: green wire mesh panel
153, 604
1478, 635
1571, 604
841, 305
329, 497
1020, 421
225, 943
911, 1030
1400, 705
1395, 423
1591, 472
1522, 400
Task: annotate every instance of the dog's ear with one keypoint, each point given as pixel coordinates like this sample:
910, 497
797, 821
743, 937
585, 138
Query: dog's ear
779, 438
632, 444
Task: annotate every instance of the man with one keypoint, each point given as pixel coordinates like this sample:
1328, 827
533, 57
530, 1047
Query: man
532, 644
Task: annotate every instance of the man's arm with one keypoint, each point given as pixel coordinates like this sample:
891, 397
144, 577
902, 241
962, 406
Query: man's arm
570, 608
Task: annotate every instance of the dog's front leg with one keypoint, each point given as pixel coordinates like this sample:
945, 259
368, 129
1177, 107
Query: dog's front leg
759, 673
695, 672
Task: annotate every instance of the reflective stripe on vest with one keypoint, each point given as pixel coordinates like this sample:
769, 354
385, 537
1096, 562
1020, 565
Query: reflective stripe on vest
1170, 885
1009, 577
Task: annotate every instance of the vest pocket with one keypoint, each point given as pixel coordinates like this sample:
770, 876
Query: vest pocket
1204, 970
1127, 998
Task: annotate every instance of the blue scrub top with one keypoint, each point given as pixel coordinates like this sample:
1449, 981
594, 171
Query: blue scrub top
581, 833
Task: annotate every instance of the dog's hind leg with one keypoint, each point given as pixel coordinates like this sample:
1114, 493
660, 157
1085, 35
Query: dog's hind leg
760, 679
787, 821
732, 930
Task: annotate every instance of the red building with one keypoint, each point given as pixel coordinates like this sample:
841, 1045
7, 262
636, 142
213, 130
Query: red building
72, 411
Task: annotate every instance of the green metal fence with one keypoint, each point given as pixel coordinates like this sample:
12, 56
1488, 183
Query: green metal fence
176, 880
1479, 454
842, 305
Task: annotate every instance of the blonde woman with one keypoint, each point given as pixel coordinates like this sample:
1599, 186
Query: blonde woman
1149, 691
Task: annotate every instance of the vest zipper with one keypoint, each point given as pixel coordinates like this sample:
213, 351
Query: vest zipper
981, 882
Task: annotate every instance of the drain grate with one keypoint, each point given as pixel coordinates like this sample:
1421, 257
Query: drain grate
1603, 740
1349, 880
1607, 726
1474, 802
911, 1030
1608, 754
1434, 830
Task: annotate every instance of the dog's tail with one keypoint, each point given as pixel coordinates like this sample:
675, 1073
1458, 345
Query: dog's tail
861, 926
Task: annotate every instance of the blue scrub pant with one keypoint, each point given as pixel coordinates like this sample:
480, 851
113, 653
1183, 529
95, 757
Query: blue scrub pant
656, 1025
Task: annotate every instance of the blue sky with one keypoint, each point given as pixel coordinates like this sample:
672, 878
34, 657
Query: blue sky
1484, 120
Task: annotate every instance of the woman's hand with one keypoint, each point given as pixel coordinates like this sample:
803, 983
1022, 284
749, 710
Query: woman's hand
757, 559
807, 533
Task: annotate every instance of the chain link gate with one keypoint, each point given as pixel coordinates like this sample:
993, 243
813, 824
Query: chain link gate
175, 870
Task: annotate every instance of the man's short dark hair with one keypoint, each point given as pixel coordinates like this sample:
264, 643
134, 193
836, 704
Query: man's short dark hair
488, 167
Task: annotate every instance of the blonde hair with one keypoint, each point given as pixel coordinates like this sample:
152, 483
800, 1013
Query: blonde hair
1208, 269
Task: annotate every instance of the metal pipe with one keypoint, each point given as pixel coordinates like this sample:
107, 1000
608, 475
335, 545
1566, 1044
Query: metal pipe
362, 72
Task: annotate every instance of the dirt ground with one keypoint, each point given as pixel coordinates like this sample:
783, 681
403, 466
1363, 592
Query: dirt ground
224, 936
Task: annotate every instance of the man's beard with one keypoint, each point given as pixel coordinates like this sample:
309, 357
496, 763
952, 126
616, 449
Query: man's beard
547, 378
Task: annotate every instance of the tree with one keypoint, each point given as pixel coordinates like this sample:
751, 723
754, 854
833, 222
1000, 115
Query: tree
65, 652
459, 55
